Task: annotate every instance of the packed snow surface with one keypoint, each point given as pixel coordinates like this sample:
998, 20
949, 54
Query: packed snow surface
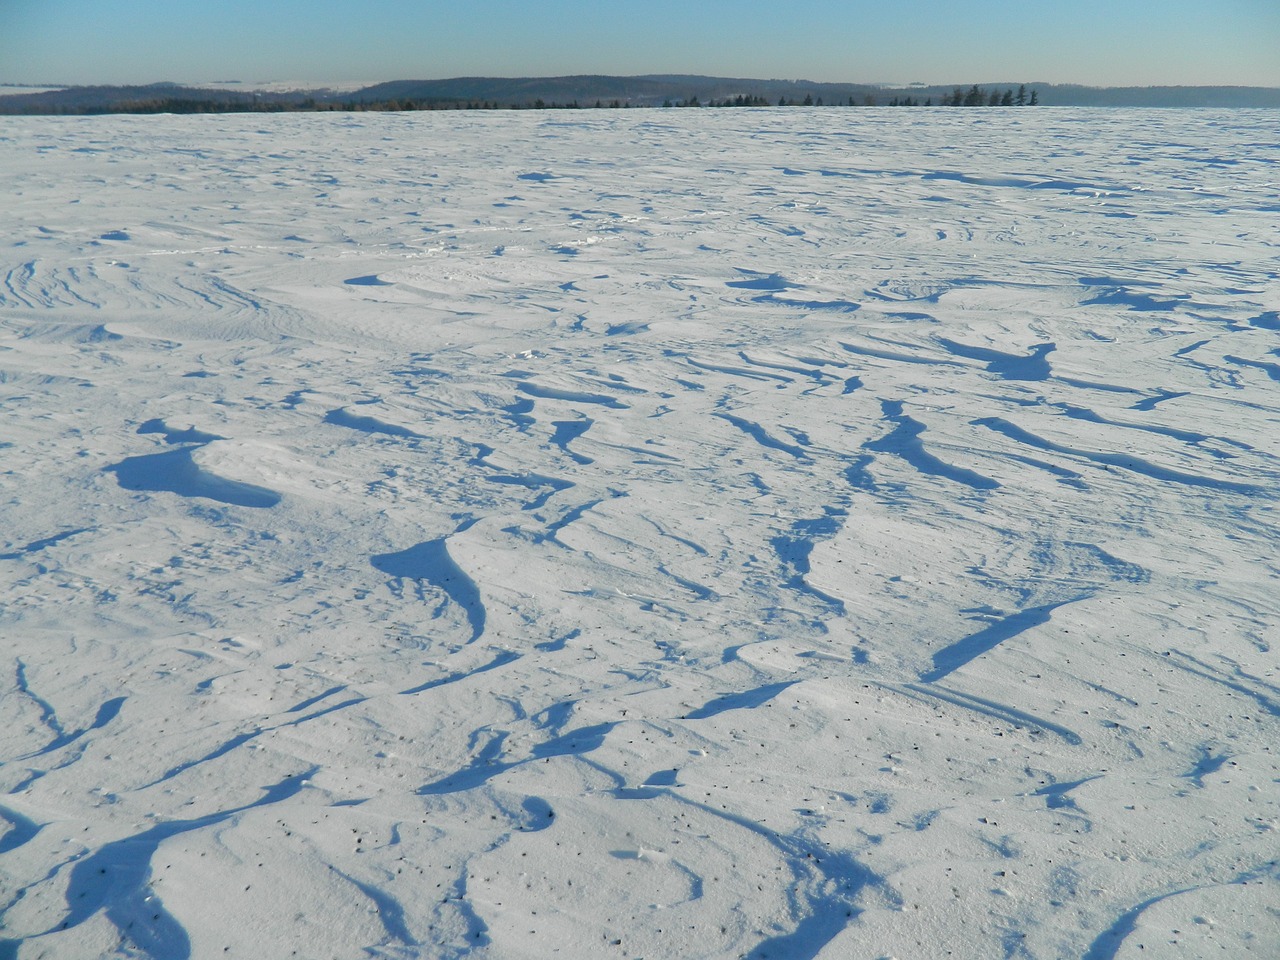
666, 534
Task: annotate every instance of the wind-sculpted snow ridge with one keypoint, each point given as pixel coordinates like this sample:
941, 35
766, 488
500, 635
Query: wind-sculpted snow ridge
662, 534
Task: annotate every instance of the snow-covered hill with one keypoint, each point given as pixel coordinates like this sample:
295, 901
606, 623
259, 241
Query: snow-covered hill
793, 534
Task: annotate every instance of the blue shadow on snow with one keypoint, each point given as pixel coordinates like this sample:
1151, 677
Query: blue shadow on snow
430, 562
175, 472
956, 655
905, 441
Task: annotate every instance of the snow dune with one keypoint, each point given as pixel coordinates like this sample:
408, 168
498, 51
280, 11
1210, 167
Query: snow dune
806, 534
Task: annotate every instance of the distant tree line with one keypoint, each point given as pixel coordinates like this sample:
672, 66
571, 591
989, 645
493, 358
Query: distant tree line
604, 92
169, 105
975, 96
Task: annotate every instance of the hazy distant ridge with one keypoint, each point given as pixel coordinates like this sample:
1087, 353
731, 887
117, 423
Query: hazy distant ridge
654, 90
588, 90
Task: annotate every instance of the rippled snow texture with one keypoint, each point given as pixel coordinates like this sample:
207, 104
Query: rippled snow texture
668, 534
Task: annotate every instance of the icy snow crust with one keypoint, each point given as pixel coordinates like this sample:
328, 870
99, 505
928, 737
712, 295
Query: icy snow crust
665, 534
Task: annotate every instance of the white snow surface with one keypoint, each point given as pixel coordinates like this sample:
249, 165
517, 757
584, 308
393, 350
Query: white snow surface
665, 534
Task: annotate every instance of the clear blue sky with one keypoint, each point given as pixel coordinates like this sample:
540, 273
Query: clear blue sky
1097, 42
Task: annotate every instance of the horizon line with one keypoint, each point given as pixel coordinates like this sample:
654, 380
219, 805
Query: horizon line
355, 85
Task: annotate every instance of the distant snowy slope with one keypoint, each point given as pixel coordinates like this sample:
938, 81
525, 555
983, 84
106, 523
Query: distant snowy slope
741, 533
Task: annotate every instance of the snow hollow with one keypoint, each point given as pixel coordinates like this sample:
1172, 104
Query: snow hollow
667, 534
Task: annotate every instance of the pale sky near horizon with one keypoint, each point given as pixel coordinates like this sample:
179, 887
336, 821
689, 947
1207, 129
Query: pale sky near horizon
1093, 42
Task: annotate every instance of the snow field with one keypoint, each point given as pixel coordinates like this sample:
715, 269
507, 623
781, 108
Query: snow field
644, 534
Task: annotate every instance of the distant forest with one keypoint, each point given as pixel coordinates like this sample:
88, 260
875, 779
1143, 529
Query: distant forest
975, 96
603, 92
